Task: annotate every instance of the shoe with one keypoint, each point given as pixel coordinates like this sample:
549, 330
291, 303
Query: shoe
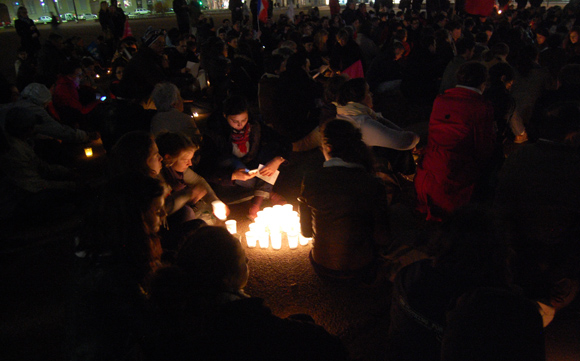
277, 199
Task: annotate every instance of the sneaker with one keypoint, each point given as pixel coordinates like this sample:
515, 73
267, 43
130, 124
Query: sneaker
277, 199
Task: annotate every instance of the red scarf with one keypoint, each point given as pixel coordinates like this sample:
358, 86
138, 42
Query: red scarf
241, 138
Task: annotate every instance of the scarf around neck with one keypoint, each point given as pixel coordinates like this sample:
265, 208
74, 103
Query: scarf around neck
241, 138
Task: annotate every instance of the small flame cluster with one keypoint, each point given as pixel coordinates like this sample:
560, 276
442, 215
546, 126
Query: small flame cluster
272, 225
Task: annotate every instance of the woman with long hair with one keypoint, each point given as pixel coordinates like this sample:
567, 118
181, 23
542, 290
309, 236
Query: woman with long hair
115, 254
344, 206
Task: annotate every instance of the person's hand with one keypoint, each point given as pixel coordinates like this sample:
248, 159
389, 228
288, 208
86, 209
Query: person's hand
241, 174
271, 167
197, 193
186, 70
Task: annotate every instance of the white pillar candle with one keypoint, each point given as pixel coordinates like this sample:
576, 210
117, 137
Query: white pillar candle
219, 209
293, 240
232, 226
263, 239
251, 239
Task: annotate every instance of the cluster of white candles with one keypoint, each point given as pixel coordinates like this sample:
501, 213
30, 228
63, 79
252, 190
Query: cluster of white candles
270, 227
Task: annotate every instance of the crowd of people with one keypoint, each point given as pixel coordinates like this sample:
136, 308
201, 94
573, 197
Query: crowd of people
156, 277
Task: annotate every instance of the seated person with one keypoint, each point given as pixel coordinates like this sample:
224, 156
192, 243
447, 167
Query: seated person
116, 252
355, 103
37, 98
65, 95
460, 146
138, 151
191, 195
31, 188
235, 143
343, 206
212, 318
471, 253
496, 325
170, 116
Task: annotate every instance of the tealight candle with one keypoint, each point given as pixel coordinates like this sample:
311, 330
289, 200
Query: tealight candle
89, 152
232, 226
219, 209
293, 240
251, 239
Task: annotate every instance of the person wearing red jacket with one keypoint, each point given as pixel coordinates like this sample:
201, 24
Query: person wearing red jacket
65, 95
459, 147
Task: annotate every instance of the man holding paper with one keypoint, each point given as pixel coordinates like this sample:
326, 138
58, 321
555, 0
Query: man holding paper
239, 151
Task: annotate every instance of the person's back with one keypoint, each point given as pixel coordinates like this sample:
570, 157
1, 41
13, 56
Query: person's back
459, 147
343, 206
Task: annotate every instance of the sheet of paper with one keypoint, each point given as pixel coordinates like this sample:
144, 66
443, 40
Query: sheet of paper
271, 179
193, 67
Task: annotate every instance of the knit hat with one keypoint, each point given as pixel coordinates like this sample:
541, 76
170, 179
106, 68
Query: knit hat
36, 93
151, 35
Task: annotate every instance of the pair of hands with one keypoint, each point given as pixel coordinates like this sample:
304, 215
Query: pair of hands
269, 169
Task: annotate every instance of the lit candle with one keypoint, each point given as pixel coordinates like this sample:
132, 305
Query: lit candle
287, 207
89, 152
97, 76
293, 239
304, 240
208, 83
276, 238
263, 239
219, 209
251, 239
231, 226
195, 115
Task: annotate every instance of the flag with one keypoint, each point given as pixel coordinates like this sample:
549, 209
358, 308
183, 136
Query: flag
479, 7
263, 10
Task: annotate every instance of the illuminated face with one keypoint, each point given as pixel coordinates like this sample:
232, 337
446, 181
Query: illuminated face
154, 160
182, 47
183, 161
573, 37
238, 121
119, 72
155, 215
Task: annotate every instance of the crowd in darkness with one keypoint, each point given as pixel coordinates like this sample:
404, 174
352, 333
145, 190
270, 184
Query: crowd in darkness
493, 182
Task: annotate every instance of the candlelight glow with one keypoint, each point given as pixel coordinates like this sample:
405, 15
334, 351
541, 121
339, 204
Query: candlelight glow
232, 226
273, 224
219, 210
97, 76
195, 114
89, 152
